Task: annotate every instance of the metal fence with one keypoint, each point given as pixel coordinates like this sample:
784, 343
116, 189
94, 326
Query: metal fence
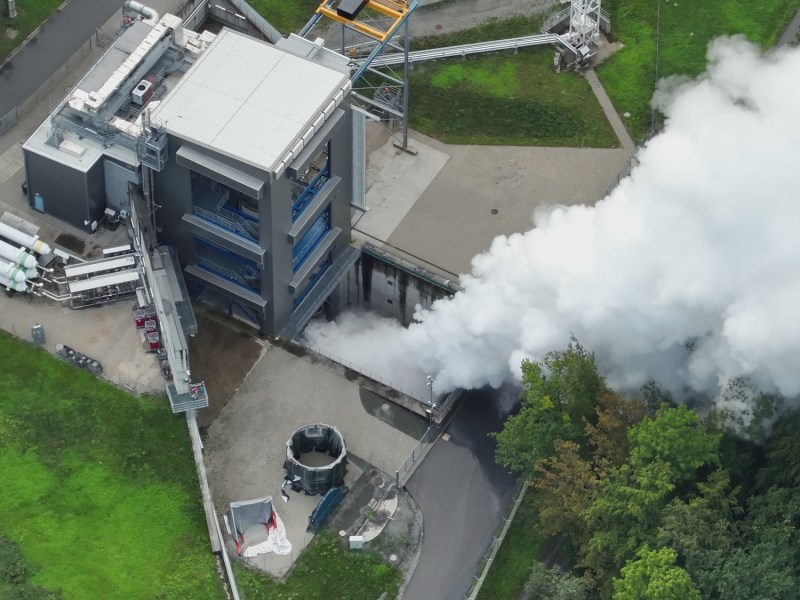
358, 369
497, 541
9, 119
402, 473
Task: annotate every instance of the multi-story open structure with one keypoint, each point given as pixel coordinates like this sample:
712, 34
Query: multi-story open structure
236, 152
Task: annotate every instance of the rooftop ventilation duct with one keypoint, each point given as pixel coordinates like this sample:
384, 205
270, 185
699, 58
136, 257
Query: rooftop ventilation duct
150, 16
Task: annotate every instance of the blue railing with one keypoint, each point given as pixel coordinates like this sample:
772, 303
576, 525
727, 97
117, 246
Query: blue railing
323, 268
211, 205
241, 271
306, 244
311, 190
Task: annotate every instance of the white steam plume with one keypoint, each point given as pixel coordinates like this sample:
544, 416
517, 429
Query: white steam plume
700, 244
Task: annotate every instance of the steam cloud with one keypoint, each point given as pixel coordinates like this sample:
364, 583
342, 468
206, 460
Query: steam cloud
699, 246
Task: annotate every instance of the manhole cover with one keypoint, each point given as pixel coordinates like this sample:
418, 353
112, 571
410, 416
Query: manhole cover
378, 481
494, 211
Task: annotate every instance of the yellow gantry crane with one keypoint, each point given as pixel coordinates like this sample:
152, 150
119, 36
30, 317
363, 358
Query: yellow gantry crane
348, 12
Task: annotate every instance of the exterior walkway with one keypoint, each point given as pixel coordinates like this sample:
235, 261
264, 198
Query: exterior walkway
612, 115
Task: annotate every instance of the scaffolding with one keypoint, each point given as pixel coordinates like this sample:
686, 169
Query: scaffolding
368, 28
584, 22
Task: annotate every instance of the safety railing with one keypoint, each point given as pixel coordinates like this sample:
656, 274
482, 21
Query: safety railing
465, 49
403, 472
232, 275
357, 368
497, 541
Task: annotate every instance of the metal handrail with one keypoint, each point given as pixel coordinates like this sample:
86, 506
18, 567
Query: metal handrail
401, 471
324, 292
225, 272
356, 368
555, 19
477, 48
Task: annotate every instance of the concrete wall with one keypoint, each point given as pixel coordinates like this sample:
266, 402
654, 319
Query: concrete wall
276, 215
388, 290
173, 193
96, 192
341, 157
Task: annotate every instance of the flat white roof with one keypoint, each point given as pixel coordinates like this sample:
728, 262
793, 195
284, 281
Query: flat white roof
75, 287
99, 266
251, 101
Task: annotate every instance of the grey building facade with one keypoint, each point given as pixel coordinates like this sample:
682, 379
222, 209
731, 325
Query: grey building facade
241, 150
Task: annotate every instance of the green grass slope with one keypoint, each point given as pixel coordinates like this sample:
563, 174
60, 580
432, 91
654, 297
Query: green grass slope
99, 489
684, 30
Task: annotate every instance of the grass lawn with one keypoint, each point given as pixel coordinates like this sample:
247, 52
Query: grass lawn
287, 16
30, 14
508, 99
685, 27
326, 570
520, 549
98, 487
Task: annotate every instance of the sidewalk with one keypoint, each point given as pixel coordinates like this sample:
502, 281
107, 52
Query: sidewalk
611, 113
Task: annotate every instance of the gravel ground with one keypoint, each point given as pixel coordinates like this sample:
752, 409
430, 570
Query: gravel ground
446, 16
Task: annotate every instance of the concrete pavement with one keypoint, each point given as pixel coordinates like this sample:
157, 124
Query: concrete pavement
46, 49
246, 443
611, 113
463, 495
480, 192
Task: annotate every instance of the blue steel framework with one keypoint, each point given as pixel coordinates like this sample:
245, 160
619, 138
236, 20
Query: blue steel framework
216, 203
227, 264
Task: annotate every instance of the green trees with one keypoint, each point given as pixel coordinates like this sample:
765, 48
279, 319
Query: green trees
566, 484
677, 438
558, 398
654, 576
554, 584
652, 502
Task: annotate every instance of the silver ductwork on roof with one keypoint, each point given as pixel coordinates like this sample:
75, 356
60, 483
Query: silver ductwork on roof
150, 15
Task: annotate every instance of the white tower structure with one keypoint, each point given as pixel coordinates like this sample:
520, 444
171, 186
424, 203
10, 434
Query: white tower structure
584, 21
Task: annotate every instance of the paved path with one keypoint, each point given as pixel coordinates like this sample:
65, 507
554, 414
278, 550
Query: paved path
58, 38
790, 33
611, 113
463, 495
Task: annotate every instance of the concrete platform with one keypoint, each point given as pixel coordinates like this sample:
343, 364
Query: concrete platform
246, 444
446, 204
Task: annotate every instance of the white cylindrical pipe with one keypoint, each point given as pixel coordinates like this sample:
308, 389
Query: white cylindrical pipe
12, 285
150, 15
32, 242
12, 271
17, 256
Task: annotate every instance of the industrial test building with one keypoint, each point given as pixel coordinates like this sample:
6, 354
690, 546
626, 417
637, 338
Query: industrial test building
236, 152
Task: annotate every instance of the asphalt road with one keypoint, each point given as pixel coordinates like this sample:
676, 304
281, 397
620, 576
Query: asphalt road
463, 495
59, 38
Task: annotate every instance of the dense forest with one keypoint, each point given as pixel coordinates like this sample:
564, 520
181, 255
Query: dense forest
650, 501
